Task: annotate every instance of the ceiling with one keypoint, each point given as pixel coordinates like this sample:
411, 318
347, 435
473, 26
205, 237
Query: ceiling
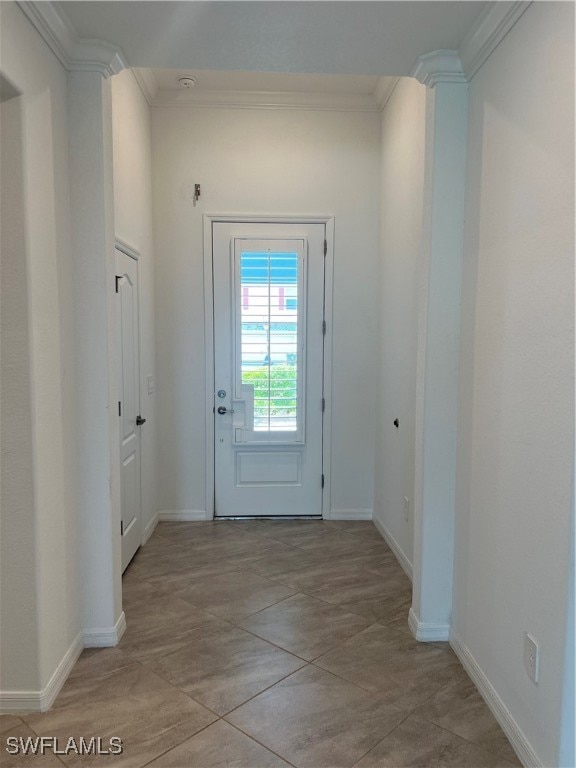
326, 37
266, 82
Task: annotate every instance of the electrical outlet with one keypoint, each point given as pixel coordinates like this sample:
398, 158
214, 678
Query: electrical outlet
406, 508
531, 657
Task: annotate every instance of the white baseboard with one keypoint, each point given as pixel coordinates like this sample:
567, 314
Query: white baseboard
427, 632
183, 515
41, 701
395, 547
517, 739
350, 514
149, 529
105, 637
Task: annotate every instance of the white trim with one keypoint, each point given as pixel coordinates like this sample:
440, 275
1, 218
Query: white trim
350, 514
72, 52
399, 554
487, 32
327, 363
438, 67
384, 90
427, 632
147, 82
41, 701
220, 99
183, 515
150, 528
516, 737
105, 637
126, 249
208, 220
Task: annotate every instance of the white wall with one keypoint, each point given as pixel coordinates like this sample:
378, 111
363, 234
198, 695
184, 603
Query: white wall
403, 128
133, 225
44, 459
517, 401
264, 161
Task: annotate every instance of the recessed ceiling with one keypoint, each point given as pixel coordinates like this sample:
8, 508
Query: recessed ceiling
344, 38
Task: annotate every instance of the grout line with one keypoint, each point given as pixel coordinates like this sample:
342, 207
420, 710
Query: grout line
268, 687
250, 736
383, 739
174, 746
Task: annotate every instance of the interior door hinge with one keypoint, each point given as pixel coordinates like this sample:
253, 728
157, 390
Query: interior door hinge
121, 528
118, 277
119, 408
325, 247
323, 404
324, 327
322, 481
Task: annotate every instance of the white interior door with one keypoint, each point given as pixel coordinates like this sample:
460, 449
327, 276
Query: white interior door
268, 361
129, 419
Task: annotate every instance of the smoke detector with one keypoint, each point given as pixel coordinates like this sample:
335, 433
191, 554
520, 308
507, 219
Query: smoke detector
187, 82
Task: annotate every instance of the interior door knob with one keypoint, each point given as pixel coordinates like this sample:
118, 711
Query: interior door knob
222, 410
140, 421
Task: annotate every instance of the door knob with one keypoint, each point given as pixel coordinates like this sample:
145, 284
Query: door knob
140, 421
222, 410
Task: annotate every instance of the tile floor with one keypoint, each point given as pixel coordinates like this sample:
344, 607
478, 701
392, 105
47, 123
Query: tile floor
262, 644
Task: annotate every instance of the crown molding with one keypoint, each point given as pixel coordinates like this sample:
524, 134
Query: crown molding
74, 53
147, 82
384, 90
439, 67
487, 32
267, 100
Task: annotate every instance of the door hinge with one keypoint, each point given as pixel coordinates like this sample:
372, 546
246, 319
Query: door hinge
121, 528
118, 277
323, 404
119, 408
324, 327
325, 247
322, 481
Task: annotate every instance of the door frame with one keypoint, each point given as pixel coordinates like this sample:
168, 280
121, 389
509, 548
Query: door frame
208, 220
132, 253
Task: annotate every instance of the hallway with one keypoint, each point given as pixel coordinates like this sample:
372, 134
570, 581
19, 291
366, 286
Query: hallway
261, 644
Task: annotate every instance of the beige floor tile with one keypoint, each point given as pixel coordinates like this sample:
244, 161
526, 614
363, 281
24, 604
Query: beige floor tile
269, 548
358, 527
219, 746
227, 669
146, 712
175, 582
235, 594
356, 586
164, 623
304, 626
271, 565
7, 722
394, 665
99, 663
419, 744
21, 733
165, 558
460, 708
316, 576
185, 532
315, 720
335, 543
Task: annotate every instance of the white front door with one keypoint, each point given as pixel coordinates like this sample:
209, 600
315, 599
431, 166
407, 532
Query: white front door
268, 361
127, 327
